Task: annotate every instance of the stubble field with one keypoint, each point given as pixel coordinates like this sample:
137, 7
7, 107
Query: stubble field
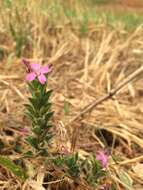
92, 53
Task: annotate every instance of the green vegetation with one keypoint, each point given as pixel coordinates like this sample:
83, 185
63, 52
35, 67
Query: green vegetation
82, 12
12, 167
91, 48
99, 2
41, 15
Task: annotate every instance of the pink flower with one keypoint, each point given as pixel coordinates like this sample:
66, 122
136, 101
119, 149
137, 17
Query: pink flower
23, 131
35, 70
64, 150
105, 187
103, 158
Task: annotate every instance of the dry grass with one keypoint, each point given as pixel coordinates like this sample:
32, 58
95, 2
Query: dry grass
85, 69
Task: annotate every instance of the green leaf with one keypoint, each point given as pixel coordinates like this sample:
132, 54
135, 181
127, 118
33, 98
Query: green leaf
35, 84
59, 161
69, 161
83, 163
32, 141
37, 130
20, 42
8, 3
16, 170
1, 53
39, 121
12, 30
76, 157
44, 97
49, 126
34, 103
33, 87
30, 116
66, 107
43, 152
96, 166
49, 115
2, 145
125, 179
31, 109
45, 108
28, 154
48, 93
49, 137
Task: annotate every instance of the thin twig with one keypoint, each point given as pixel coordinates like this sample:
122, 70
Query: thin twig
53, 182
111, 93
95, 103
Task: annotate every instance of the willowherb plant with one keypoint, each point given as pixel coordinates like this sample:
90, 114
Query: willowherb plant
70, 163
95, 170
38, 108
91, 170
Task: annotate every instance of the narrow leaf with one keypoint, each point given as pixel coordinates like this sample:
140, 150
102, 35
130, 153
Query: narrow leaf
32, 141
126, 179
16, 170
49, 115
66, 107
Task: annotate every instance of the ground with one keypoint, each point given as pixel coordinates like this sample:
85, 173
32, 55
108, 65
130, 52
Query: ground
86, 66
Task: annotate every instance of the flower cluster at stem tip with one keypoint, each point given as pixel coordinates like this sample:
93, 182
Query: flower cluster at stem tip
102, 157
35, 70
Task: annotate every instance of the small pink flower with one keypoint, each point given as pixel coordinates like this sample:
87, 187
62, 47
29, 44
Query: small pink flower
64, 150
103, 158
105, 187
36, 71
24, 131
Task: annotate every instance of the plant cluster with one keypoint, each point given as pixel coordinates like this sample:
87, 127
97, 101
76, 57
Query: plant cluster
93, 169
38, 109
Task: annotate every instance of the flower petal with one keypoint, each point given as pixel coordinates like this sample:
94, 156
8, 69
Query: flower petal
42, 79
103, 158
45, 69
35, 67
24, 131
25, 61
31, 76
27, 64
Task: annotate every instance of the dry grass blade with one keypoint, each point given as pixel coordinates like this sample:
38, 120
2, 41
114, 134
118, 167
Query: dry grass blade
90, 61
89, 107
14, 88
131, 161
4, 77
